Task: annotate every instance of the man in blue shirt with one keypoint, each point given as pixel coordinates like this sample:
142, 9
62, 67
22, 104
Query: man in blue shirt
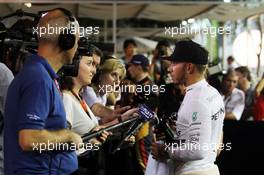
35, 119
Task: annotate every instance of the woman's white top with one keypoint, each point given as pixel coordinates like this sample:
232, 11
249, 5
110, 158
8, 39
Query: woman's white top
76, 116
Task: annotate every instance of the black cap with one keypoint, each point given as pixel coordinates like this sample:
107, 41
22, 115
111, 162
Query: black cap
140, 60
190, 52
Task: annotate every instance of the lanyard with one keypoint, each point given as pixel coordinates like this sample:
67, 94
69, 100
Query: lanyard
82, 102
57, 86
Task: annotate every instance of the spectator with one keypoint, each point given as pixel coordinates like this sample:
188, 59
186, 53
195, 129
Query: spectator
259, 101
244, 84
159, 66
138, 69
234, 98
130, 48
231, 65
109, 75
107, 78
6, 77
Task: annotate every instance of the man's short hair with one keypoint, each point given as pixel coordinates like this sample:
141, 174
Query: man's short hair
244, 71
163, 43
231, 58
201, 68
129, 41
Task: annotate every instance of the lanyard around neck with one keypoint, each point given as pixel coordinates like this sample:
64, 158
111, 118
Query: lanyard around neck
82, 102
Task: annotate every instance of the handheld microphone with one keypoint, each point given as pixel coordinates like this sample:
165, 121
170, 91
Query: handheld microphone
145, 114
164, 127
88, 136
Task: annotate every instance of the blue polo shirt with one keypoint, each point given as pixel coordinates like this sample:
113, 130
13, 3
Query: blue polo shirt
34, 102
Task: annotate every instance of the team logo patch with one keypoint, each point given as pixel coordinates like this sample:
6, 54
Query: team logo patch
194, 116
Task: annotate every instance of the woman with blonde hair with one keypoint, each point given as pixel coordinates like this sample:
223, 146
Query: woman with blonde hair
106, 81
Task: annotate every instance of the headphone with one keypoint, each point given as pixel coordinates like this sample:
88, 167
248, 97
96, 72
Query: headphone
72, 69
67, 38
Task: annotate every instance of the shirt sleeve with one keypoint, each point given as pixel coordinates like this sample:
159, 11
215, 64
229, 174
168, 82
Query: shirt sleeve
67, 102
194, 138
6, 75
35, 105
6, 78
90, 97
240, 105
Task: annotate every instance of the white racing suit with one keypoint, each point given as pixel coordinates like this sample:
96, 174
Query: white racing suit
198, 129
